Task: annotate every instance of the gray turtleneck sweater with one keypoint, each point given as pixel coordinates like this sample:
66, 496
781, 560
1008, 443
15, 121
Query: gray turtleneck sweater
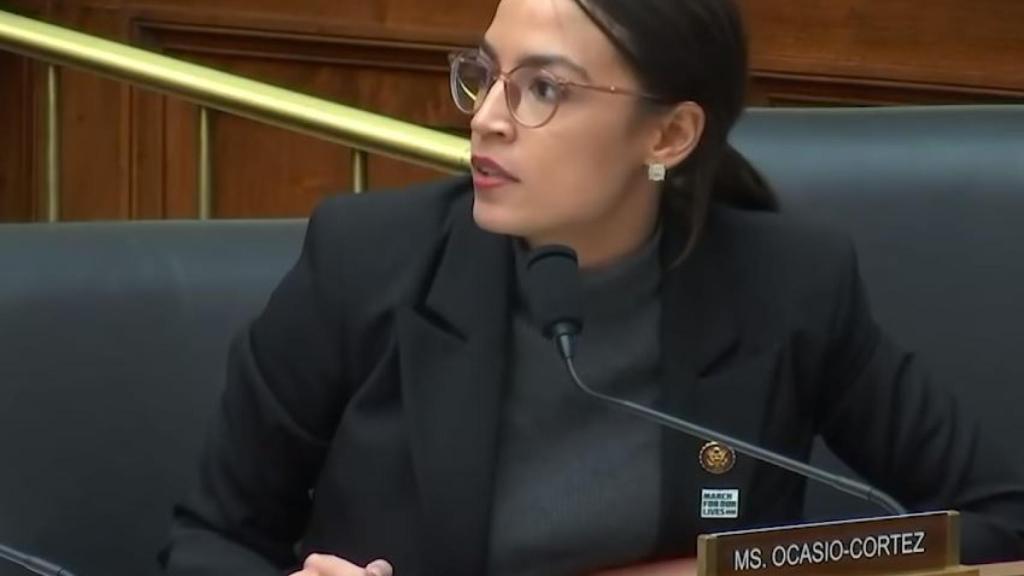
577, 482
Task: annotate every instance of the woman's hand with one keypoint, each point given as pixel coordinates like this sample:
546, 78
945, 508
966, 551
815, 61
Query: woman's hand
327, 565
686, 567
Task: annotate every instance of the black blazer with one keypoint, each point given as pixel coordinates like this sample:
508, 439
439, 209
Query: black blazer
362, 406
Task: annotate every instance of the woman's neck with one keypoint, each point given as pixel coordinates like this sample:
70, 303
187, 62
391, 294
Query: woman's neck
623, 231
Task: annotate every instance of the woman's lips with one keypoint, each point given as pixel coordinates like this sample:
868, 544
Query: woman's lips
488, 173
482, 182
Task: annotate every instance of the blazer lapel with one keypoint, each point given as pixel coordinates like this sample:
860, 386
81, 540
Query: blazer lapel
699, 331
452, 353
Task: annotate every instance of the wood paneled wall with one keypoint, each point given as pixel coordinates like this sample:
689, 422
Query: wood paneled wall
130, 153
886, 51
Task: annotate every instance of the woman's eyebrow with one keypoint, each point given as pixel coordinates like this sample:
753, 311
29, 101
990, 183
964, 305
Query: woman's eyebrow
538, 60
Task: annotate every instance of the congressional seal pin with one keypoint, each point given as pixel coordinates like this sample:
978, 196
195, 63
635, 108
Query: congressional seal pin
717, 458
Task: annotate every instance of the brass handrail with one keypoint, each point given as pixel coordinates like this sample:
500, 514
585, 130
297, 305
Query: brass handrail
259, 101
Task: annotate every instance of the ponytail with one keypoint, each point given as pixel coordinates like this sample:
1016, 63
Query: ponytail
738, 184
694, 186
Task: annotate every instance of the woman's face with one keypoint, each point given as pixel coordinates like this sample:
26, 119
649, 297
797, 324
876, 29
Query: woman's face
581, 178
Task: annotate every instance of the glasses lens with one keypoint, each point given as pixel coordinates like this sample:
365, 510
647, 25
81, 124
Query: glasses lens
470, 79
533, 96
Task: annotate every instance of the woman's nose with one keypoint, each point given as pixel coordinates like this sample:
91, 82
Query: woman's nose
492, 118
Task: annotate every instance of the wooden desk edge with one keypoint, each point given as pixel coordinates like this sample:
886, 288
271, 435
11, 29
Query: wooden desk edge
1008, 569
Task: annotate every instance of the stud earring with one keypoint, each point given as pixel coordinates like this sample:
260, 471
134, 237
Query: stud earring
656, 172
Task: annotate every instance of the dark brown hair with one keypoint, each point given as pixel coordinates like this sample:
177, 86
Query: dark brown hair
683, 51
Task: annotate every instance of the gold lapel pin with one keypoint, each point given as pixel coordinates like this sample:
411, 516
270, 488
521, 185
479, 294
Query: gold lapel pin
717, 458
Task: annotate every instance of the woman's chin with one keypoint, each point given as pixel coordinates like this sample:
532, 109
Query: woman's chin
499, 218
494, 222
496, 219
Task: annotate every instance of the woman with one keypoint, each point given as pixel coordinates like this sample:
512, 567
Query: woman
395, 407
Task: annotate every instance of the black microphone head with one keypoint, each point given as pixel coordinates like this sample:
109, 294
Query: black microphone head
553, 290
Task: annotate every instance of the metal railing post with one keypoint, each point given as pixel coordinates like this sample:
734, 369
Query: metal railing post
360, 171
53, 132
204, 185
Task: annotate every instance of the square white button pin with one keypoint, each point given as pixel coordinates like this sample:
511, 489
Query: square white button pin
720, 503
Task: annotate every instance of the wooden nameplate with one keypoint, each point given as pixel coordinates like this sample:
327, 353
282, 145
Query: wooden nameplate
916, 544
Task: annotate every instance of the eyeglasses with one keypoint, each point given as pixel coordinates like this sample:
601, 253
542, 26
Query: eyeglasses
532, 93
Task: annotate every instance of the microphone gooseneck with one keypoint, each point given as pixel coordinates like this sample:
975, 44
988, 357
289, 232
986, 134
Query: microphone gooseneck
32, 563
848, 485
554, 290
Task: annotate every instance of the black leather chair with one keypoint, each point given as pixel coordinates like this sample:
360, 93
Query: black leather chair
113, 338
934, 199
113, 335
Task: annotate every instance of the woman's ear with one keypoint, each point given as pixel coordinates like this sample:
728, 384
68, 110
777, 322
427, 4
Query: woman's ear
677, 134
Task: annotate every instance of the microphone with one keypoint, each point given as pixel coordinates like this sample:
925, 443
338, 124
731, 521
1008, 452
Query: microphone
553, 290
33, 564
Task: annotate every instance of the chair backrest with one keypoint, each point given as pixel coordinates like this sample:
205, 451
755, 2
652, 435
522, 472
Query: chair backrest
934, 200
113, 339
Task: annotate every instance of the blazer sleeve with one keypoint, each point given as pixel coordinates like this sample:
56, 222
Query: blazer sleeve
284, 394
880, 413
